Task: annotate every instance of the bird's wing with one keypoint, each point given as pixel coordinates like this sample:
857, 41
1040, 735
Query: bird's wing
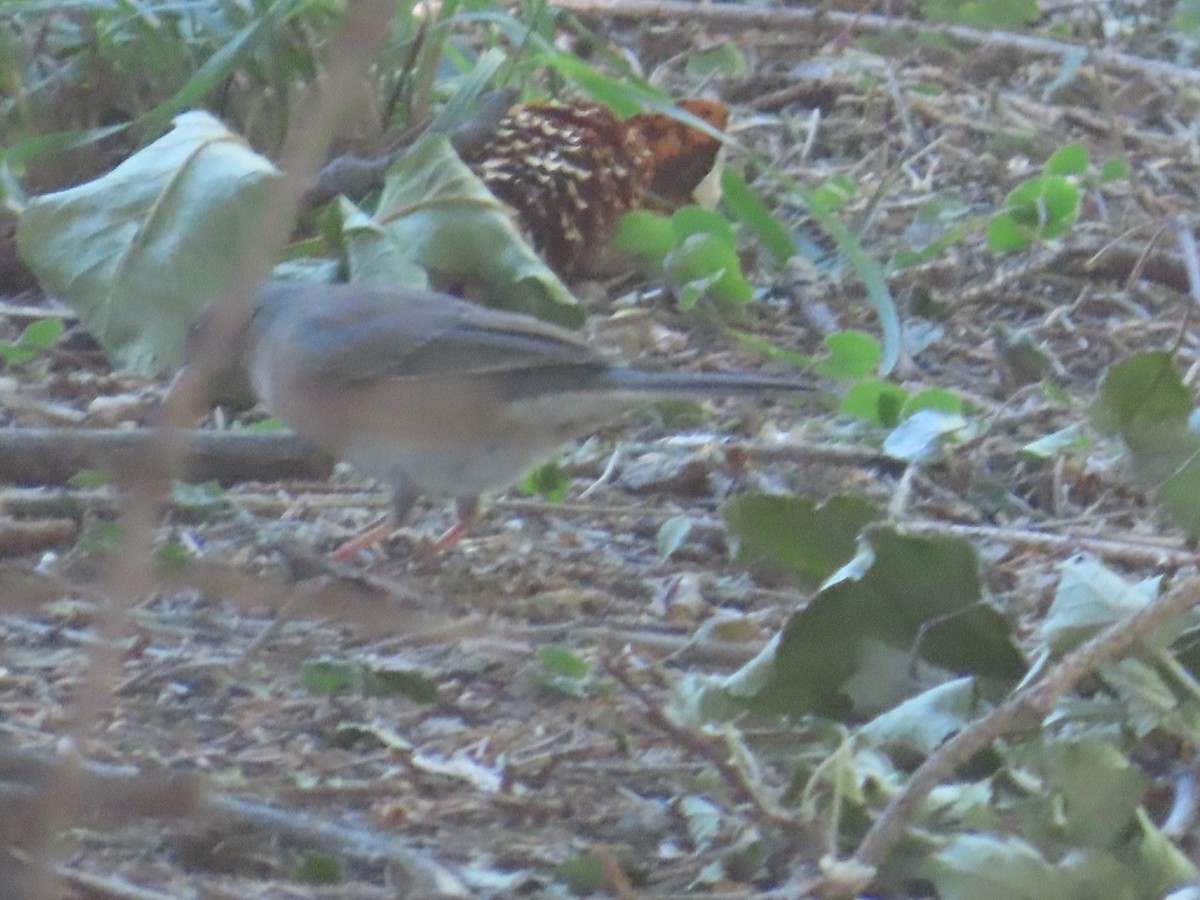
360, 332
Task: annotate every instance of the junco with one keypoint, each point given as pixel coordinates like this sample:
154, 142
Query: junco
437, 396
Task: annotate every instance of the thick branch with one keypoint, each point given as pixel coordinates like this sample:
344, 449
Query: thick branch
54, 455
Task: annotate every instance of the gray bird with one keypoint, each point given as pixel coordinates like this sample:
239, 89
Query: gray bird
436, 396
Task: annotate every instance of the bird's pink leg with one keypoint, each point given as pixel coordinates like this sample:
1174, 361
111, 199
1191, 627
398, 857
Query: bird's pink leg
468, 515
403, 498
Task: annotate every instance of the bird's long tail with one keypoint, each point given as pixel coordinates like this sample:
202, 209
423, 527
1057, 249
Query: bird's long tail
709, 383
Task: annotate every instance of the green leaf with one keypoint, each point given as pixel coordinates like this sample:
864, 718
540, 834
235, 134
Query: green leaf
920, 724
853, 355
878, 402
171, 556
319, 868
1057, 443
1140, 395
100, 538
410, 683
1069, 770
1114, 170
916, 599
464, 104
986, 867
202, 502
706, 263
89, 478
1162, 864
645, 235
672, 534
984, 14
722, 59
1187, 19
938, 399
138, 252
691, 220
14, 355
1004, 235
549, 481
920, 436
266, 426
1090, 597
1069, 160
748, 209
559, 671
872, 275
584, 875
1047, 206
561, 661
832, 195
771, 351
794, 535
331, 677
1144, 400
373, 252
39, 335
436, 209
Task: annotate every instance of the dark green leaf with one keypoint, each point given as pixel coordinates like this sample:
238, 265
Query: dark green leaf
1144, 400
319, 868
1141, 394
416, 686
796, 536
584, 874
919, 599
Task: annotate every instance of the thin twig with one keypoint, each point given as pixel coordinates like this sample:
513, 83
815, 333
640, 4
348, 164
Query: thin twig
713, 749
